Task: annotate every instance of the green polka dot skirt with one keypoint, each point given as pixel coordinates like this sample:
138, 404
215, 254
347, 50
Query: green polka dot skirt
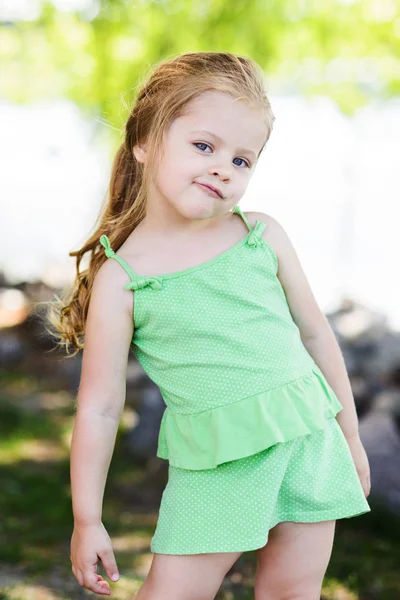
232, 507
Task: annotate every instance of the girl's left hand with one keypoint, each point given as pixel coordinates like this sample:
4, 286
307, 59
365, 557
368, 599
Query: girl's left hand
361, 462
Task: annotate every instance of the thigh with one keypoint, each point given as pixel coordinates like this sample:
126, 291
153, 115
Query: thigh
186, 577
294, 560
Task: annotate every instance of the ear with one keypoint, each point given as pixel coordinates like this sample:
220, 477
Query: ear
140, 152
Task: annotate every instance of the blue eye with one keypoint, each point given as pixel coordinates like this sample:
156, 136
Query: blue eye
245, 162
201, 144
197, 144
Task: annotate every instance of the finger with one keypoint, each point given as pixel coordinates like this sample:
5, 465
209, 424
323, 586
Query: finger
102, 581
93, 580
109, 564
92, 584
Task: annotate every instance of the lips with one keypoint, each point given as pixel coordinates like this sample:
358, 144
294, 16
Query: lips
211, 187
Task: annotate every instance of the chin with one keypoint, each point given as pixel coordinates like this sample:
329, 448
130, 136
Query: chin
198, 209
206, 210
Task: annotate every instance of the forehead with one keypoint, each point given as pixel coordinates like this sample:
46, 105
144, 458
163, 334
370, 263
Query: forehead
233, 121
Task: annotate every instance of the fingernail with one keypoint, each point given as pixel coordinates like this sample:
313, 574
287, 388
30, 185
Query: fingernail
115, 577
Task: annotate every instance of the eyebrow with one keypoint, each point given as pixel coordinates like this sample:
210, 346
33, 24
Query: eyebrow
220, 140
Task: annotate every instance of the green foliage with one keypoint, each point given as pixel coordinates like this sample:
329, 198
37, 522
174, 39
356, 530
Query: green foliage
347, 49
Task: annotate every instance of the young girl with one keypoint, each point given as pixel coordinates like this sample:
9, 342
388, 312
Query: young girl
260, 428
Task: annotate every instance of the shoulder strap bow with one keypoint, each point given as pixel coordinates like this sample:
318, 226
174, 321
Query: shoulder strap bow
141, 282
254, 238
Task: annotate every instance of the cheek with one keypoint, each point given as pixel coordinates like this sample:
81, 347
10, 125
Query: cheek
173, 175
185, 169
180, 167
243, 182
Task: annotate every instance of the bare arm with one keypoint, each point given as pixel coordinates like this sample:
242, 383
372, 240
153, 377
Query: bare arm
102, 391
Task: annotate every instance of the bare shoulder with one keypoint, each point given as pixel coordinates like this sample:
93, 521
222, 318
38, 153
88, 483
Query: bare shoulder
111, 306
110, 315
109, 284
271, 222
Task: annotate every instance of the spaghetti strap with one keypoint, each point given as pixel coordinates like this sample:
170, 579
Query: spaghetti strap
254, 239
136, 281
238, 210
109, 252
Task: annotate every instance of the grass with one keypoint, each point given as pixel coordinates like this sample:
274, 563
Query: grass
36, 425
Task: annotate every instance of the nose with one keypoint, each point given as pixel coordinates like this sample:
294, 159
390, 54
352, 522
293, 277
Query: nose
221, 171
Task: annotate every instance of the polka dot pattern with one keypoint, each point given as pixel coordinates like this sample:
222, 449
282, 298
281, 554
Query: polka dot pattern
210, 336
232, 508
215, 334
219, 331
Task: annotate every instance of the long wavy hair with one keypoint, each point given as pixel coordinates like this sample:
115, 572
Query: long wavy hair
170, 87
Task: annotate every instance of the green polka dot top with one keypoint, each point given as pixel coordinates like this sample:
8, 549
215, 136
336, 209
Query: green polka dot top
219, 341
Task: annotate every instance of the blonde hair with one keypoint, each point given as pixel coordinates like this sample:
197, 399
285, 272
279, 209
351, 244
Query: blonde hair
169, 89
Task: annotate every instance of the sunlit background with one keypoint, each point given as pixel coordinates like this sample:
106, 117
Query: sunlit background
330, 175
330, 179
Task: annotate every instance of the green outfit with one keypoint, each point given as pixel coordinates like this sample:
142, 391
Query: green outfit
244, 400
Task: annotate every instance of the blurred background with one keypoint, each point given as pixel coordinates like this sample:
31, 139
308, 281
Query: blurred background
70, 70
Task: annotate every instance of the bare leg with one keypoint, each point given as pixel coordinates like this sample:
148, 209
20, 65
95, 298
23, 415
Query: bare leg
186, 577
294, 560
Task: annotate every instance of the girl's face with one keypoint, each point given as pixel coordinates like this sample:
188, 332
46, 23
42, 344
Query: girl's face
215, 143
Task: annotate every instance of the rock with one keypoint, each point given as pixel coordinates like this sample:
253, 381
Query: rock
143, 438
380, 435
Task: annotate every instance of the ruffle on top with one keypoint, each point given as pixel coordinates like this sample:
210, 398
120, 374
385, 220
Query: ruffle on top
206, 439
